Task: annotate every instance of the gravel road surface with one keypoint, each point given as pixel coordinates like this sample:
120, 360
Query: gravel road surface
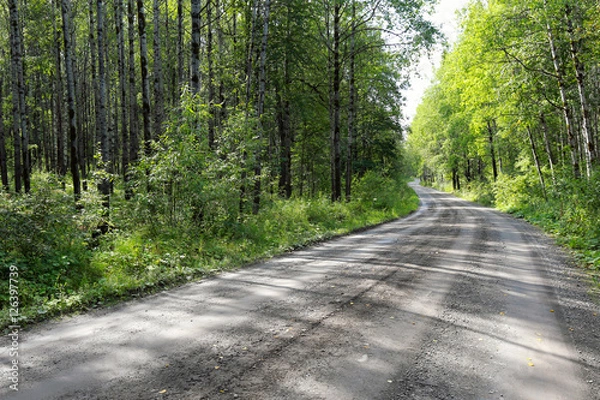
456, 301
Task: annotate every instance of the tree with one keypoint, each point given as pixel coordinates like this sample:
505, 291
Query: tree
73, 144
3, 156
144, 72
21, 136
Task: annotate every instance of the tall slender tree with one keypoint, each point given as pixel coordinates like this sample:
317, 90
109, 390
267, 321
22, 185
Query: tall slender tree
3, 155
335, 103
145, 79
104, 185
21, 136
73, 143
123, 102
159, 91
195, 62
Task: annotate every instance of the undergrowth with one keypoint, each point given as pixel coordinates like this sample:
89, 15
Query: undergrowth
64, 266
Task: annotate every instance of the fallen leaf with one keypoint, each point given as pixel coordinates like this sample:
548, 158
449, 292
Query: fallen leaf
502, 313
389, 381
551, 310
217, 367
530, 364
163, 391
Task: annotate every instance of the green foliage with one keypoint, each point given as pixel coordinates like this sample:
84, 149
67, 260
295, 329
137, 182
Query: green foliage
62, 267
513, 192
47, 239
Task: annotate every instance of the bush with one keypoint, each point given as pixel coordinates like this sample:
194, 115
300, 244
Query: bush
47, 239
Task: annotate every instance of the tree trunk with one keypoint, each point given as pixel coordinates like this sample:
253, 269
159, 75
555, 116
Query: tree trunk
195, 62
351, 105
119, 26
180, 77
285, 134
261, 105
159, 91
249, 73
492, 150
94, 61
566, 109
586, 128
73, 144
211, 76
536, 159
145, 80
134, 145
21, 142
250, 55
548, 146
3, 156
336, 160
104, 185
61, 167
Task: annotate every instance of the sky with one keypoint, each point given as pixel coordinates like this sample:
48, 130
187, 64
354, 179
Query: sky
445, 17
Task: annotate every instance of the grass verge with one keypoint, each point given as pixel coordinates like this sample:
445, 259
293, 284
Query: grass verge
63, 268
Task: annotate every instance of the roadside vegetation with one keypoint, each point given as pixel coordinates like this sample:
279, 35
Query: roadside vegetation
511, 119
65, 264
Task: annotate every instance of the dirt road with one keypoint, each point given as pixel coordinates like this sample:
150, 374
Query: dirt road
454, 302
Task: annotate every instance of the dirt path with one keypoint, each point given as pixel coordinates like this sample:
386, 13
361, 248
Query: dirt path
454, 302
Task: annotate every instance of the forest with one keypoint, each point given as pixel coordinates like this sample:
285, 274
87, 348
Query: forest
148, 143
512, 117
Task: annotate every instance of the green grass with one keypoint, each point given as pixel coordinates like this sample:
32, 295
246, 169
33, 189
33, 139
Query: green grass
63, 268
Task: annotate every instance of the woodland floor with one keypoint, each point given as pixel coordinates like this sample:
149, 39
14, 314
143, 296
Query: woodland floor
456, 301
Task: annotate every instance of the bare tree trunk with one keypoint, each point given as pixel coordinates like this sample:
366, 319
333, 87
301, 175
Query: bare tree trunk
566, 110
211, 75
145, 80
73, 144
159, 91
285, 134
180, 77
195, 62
221, 111
536, 159
250, 54
3, 156
94, 60
261, 105
134, 146
249, 73
586, 128
21, 143
491, 132
336, 159
351, 106
104, 185
119, 26
548, 146
61, 167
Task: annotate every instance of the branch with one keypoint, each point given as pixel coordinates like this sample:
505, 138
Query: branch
525, 66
